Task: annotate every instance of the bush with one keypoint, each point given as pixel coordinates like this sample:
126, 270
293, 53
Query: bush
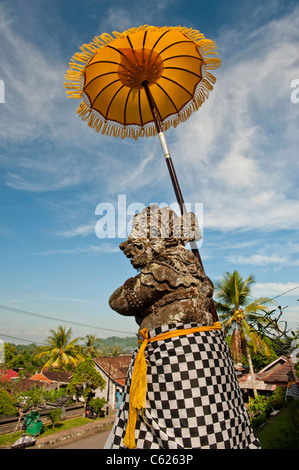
56, 395
7, 404
96, 404
259, 409
55, 415
278, 397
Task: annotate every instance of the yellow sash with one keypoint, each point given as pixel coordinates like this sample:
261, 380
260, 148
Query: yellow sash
139, 383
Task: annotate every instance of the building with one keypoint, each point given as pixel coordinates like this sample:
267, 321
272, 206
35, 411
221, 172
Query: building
57, 379
280, 372
46, 379
8, 375
114, 371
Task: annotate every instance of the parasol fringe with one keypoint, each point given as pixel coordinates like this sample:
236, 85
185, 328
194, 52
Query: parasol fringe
74, 83
115, 129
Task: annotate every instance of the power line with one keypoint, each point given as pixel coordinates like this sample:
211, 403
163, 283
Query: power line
22, 339
38, 315
284, 293
47, 317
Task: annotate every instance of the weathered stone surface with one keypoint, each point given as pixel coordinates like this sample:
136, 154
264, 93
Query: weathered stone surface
171, 286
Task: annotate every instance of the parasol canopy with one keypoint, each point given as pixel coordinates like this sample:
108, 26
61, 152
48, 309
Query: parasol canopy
142, 81
109, 74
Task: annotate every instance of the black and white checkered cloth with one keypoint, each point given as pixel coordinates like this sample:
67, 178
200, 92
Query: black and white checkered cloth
193, 396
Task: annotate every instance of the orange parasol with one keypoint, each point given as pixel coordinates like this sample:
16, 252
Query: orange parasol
141, 82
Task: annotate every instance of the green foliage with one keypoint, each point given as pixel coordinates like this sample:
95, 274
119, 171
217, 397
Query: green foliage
47, 429
7, 404
31, 398
260, 358
91, 346
259, 409
240, 313
27, 357
61, 352
54, 395
21, 357
232, 292
278, 397
55, 415
96, 404
85, 379
110, 345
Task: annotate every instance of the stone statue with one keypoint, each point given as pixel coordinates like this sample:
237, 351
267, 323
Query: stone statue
171, 286
181, 389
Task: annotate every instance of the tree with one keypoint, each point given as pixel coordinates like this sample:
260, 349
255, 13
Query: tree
28, 401
91, 346
55, 416
85, 380
240, 313
60, 353
96, 404
21, 357
115, 352
7, 404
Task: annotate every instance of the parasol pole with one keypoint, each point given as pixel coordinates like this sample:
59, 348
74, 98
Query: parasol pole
165, 150
173, 177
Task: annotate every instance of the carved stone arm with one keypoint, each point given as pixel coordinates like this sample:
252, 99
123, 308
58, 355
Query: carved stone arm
132, 297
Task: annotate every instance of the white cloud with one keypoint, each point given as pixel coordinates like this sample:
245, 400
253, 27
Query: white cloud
32, 85
45, 146
238, 154
272, 289
122, 18
274, 257
259, 260
82, 230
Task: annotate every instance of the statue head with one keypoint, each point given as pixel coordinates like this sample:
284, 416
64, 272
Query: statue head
156, 229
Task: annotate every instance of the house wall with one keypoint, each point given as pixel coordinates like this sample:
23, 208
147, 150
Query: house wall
109, 392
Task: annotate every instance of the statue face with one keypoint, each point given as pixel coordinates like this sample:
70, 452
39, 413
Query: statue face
138, 251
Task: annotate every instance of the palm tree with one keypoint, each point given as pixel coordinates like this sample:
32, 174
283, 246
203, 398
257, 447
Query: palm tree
60, 351
239, 313
91, 346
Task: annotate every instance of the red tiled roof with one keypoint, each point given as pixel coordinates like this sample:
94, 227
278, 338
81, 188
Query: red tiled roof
7, 375
41, 378
115, 367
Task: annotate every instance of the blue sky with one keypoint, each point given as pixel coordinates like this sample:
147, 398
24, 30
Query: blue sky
237, 155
